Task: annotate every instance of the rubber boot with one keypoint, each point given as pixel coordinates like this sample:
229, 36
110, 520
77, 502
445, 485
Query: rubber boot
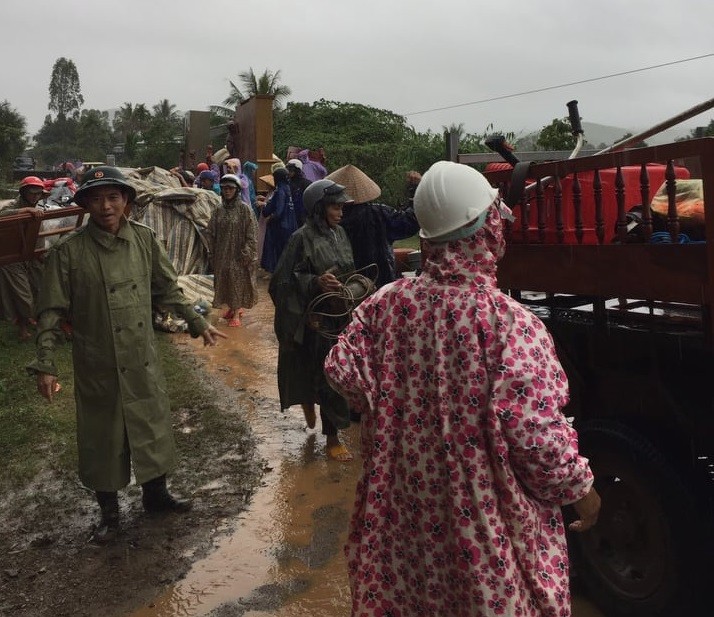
157, 499
109, 524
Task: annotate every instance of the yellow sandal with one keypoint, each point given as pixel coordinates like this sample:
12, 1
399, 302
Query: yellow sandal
339, 453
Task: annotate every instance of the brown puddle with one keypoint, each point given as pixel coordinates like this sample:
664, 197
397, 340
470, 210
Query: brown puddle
283, 556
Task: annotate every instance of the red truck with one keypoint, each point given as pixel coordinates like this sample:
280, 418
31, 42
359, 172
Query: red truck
633, 322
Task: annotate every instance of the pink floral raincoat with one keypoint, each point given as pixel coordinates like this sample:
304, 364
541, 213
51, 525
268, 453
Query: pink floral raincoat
467, 456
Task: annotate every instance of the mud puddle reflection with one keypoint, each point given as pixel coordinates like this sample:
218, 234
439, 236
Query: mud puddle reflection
283, 555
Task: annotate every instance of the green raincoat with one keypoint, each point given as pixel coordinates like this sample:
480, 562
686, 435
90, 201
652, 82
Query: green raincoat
311, 251
105, 286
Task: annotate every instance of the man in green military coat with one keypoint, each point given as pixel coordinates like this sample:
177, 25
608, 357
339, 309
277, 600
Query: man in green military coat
104, 279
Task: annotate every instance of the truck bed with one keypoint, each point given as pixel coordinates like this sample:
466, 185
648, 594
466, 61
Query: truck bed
544, 255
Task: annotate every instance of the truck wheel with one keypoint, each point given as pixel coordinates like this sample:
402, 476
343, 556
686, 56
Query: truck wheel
641, 559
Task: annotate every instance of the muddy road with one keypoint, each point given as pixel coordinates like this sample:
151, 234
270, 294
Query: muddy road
266, 532
284, 556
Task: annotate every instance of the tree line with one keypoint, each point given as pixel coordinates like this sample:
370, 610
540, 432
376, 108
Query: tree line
379, 141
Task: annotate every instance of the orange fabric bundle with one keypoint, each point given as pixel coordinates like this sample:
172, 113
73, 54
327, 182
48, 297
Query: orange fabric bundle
689, 200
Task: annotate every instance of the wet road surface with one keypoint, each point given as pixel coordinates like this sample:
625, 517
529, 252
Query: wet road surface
283, 556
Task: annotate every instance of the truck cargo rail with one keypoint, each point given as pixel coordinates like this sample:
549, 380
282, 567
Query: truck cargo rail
572, 237
20, 233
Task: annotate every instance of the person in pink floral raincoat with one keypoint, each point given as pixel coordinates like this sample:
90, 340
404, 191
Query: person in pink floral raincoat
467, 456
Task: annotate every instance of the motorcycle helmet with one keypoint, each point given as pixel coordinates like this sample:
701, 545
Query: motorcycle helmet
31, 181
231, 179
323, 192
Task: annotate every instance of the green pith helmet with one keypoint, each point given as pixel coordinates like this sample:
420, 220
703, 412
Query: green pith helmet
104, 175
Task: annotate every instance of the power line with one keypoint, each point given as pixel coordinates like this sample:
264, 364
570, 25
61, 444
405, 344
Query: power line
572, 83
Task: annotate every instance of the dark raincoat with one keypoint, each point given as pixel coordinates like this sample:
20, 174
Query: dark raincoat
372, 228
106, 285
298, 184
281, 225
312, 250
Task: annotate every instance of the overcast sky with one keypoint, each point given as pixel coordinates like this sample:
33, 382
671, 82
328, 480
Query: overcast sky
403, 55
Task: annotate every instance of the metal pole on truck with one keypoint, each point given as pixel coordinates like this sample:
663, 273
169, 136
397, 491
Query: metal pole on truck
662, 126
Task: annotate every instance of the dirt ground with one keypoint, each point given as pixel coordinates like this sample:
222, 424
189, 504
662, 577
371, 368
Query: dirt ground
264, 538
50, 567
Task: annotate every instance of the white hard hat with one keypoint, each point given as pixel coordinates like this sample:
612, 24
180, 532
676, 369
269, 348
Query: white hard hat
449, 196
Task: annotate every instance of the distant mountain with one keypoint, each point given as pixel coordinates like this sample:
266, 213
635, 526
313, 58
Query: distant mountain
598, 134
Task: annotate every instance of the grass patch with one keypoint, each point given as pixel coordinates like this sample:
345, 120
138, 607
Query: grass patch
37, 436
33, 434
408, 243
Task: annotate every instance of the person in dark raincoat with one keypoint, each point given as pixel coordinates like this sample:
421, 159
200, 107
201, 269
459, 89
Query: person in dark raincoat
104, 278
317, 254
298, 184
281, 222
372, 227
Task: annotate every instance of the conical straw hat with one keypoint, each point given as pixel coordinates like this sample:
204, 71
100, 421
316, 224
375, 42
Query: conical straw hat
359, 186
268, 179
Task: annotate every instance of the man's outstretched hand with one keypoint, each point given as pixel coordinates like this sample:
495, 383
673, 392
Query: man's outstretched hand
211, 334
47, 385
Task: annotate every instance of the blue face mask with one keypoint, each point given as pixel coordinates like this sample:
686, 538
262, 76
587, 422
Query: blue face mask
472, 228
465, 231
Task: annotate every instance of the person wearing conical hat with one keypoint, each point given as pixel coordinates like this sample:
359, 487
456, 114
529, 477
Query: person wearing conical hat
372, 227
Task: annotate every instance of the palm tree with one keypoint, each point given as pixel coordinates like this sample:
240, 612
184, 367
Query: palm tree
459, 129
142, 116
165, 111
123, 119
131, 119
267, 83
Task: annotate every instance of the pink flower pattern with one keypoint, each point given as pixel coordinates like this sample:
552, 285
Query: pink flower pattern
467, 456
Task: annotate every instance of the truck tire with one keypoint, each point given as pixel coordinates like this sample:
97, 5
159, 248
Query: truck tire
642, 558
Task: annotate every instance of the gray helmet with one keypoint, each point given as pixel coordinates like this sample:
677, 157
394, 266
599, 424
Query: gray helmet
323, 192
103, 175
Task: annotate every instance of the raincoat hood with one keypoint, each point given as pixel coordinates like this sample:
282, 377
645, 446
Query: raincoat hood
249, 168
462, 260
